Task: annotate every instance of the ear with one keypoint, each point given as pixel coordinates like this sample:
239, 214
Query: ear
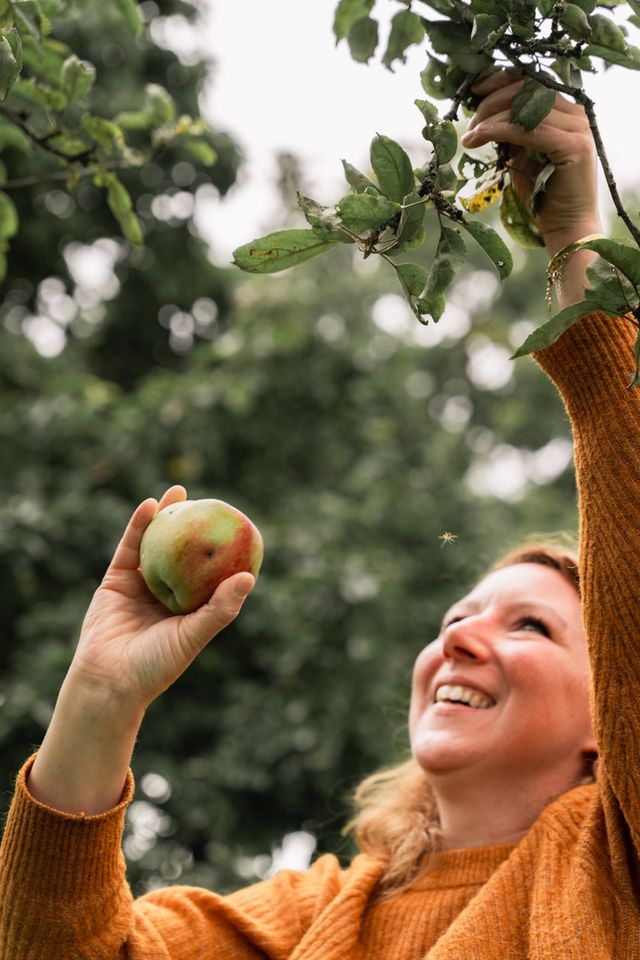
589, 755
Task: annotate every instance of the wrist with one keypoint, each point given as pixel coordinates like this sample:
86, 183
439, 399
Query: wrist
557, 240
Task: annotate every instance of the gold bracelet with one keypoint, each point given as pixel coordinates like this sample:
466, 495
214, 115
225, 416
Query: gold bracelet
557, 263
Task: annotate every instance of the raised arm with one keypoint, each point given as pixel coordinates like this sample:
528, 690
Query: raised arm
62, 878
591, 366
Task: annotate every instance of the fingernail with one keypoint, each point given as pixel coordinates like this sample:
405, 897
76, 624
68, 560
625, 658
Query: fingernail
243, 589
468, 137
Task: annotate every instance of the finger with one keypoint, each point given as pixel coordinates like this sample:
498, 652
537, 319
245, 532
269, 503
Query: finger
556, 136
503, 98
174, 494
496, 80
199, 627
127, 553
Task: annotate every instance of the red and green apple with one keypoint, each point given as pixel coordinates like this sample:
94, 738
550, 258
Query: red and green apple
192, 546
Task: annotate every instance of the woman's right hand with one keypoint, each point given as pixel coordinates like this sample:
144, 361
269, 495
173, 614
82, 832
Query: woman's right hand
570, 202
131, 647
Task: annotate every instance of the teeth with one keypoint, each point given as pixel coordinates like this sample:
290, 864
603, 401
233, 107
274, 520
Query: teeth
467, 695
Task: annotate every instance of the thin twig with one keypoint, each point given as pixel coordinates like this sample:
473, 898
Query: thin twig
43, 142
57, 175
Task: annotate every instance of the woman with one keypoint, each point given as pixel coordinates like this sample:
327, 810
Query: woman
533, 863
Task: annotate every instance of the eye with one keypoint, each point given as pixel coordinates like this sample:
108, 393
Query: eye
539, 625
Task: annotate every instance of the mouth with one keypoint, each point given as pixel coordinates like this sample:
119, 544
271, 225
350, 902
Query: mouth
467, 697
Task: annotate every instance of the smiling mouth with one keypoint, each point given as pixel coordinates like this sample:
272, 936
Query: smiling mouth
463, 696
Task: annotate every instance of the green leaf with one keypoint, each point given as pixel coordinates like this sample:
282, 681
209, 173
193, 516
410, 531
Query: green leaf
406, 29
539, 187
363, 39
9, 70
43, 20
546, 7
362, 212
576, 22
492, 244
201, 151
107, 134
347, 12
630, 59
487, 30
69, 145
453, 40
517, 221
40, 93
76, 77
13, 138
8, 217
588, 5
130, 10
623, 254
119, 201
550, 331
449, 257
278, 251
392, 167
15, 42
324, 217
441, 133
357, 180
6, 15
411, 219
440, 80
159, 104
45, 57
531, 104
606, 33
413, 278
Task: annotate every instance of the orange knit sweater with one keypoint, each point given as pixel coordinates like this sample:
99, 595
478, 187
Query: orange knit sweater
568, 891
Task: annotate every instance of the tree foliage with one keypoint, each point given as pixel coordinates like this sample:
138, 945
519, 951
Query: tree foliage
59, 122
552, 43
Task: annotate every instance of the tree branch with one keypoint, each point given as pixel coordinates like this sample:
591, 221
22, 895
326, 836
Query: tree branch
43, 142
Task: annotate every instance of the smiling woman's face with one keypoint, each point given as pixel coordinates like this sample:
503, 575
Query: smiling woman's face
516, 641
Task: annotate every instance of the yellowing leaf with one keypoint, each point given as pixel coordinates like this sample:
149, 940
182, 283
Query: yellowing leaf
483, 197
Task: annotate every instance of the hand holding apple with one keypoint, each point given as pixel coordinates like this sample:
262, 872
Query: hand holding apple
192, 546
131, 648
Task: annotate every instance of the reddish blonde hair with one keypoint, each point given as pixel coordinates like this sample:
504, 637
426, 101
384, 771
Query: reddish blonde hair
396, 818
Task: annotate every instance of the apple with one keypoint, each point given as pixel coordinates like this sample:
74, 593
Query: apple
192, 546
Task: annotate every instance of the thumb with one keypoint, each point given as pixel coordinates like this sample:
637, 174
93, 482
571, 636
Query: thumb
223, 607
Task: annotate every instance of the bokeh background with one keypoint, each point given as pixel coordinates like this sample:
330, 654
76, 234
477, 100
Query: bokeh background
313, 400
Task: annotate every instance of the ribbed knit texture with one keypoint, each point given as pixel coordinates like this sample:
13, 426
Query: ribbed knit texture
568, 891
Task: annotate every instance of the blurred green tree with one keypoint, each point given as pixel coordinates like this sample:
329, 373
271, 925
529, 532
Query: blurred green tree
70, 272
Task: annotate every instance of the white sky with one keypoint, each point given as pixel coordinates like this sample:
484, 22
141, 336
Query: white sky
281, 84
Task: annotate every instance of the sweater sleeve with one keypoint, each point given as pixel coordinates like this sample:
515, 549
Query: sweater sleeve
591, 365
64, 894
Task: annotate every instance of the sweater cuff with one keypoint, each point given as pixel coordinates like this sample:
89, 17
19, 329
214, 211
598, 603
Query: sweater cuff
82, 851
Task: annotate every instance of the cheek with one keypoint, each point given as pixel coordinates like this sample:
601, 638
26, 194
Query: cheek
559, 687
424, 670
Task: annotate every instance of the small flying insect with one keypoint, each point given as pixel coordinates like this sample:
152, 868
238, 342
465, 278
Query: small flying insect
447, 537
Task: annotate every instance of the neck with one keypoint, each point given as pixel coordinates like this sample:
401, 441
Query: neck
480, 811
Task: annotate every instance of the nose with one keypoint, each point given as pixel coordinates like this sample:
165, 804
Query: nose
467, 639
